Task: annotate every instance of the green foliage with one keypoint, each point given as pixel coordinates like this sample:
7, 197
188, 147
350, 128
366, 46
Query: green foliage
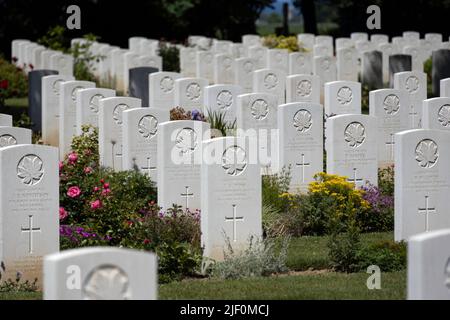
13, 81
18, 286
282, 42
217, 121
365, 98
24, 121
101, 207
388, 255
428, 69
273, 186
84, 59
386, 180
260, 258
55, 39
170, 55
344, 248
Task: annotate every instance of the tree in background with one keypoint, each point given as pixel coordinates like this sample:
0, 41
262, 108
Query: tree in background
308, 9
169, 19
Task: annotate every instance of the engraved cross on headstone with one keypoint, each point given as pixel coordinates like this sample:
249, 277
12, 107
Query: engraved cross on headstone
412, 113
116, 151
355, 180
302, 165
30, 231
427, 210
234, 219
186, 196
147, 169
391, 144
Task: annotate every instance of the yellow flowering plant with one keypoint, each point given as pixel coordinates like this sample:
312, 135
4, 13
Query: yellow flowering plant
282, 42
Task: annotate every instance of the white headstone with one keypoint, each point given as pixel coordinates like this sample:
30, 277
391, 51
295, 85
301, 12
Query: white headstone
223, 69
278, 59
188, 62
325, 68
429, 266
63, 63
231, 197
350, 148
415, 82
259, 54
140, 130
387, 49
300, 63
378, 39
10, 136
205, 65
105, 274
436, 113
243, 73
359, 36
29, 198
303, 88
189, 93
343, 43
162, 89
88, 105
222, 98
445, 88
392, 108
416, 57
270, 81
151, 61
347, 64
67, 112
306, 40
342, 97
301, 141
257, 119
110, 125
6, 120
422, 182
179, 161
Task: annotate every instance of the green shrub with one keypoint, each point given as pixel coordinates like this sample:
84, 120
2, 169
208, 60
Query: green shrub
13, 81
261, 258
99, 207
273, 186
386, 180
170, 56
282, 42
17, 285
388, 255
55, 39
84, 59
344, 248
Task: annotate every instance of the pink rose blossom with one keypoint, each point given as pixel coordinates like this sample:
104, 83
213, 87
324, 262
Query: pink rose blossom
61, 165
73, 157
96, 189
62, 213
97, 204
73, 192
106, 186
105, 192
87, 170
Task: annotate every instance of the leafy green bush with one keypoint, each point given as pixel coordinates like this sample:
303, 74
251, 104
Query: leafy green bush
388, 255
380, 215
273, 186
13, 81
100, 207
386, 180
344, 248
55, 39
170, 56
282, 42
84, 59
261, 258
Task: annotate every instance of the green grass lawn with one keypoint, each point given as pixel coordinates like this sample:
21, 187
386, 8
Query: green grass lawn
17, 102
309, 279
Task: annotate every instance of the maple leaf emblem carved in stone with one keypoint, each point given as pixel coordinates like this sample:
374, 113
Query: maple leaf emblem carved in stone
302, 120
304, 88
260, 109
30, 169
193, 91
444, 115
94, 102
224, 99
345, 96
412, 84
107, 283
270, 81
166, 84
186, 140
148, 126
427, 153
234, 160
117, 112
355, 134
7, 140
391, 104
